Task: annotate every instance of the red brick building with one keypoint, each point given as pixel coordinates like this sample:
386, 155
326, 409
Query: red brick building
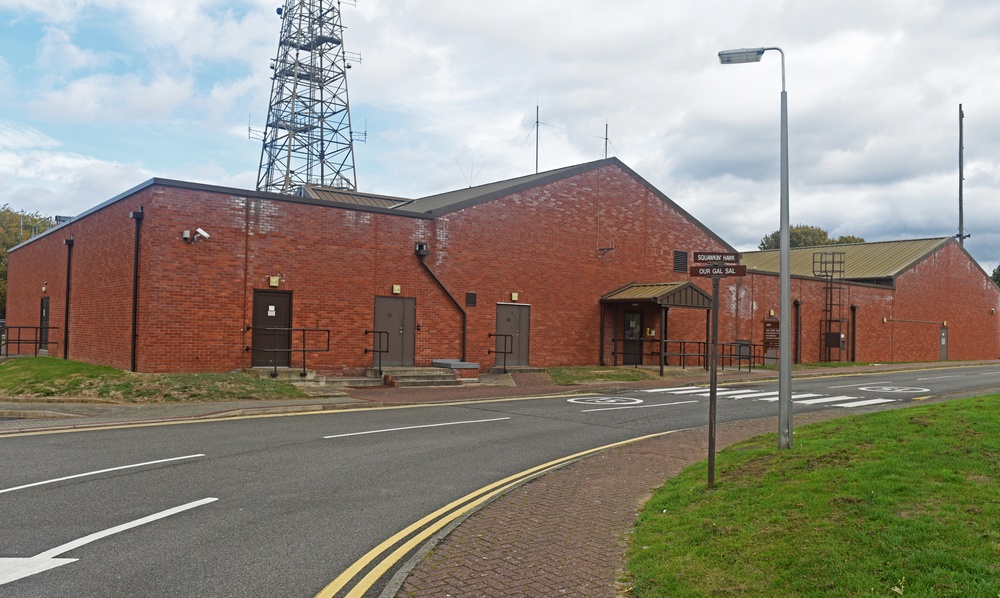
576, 266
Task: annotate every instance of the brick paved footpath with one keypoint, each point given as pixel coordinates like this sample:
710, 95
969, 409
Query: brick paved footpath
565, 533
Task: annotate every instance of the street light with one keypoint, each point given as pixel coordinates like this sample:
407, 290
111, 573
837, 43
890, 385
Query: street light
785, 279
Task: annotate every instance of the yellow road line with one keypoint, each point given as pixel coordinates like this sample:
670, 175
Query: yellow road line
448, 513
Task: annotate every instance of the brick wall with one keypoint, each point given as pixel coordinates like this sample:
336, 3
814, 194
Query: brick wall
545, 244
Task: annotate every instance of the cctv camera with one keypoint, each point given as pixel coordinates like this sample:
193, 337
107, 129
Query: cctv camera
202, 232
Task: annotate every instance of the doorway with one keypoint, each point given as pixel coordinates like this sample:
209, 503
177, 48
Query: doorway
632, 339
271, 310
43, 326
512, 336
395, 336
944, 344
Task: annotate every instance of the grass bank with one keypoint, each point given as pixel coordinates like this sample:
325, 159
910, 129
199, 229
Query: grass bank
896, 503
48, 376
583, 375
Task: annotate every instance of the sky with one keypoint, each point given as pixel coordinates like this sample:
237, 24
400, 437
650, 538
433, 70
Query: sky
97, 96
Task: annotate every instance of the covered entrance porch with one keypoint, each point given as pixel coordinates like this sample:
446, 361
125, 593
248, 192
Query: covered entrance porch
635, 325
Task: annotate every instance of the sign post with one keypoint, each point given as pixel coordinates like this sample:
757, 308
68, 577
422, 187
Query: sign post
715, 266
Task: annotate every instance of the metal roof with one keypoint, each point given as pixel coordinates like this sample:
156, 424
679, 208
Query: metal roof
352, 197
462, 198
669, 294
862, 261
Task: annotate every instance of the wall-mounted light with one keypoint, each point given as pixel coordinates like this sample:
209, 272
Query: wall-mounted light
45, 286
199, 234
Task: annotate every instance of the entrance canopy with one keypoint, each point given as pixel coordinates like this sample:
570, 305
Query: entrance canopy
664, 294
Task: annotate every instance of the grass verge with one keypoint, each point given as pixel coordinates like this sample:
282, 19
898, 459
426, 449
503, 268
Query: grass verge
48, 376
583, 375
896, 503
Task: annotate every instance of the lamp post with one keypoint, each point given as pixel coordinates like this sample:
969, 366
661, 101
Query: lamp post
784, 276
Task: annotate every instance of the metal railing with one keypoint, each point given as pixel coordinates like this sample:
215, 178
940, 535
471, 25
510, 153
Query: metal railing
508, 347
19, 333
321, 347
380, 345
685, 353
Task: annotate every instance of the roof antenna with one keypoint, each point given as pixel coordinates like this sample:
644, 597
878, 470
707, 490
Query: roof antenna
961, 178
536, 138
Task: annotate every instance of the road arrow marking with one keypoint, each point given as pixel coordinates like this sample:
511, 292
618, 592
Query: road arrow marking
13, 569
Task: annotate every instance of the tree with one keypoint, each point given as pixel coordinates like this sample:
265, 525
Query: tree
802, 235
15, 228
996, 275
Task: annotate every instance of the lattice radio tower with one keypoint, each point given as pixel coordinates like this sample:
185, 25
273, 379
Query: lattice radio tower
307, 137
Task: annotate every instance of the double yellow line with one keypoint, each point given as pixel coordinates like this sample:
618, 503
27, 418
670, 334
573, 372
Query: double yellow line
426, 527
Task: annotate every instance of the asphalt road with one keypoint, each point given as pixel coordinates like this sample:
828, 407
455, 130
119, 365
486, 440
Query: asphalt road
282, 506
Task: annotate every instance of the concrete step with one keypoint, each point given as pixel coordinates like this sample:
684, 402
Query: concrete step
402, 371
353, 382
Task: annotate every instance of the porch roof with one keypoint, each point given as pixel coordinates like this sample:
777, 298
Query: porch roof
666, 294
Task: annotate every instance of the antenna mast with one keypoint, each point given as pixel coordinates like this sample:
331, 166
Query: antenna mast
961, 178
307, 137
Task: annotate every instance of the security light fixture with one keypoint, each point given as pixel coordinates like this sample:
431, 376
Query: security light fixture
741, 56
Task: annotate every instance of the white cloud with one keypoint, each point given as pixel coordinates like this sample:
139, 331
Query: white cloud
106, 97
18, 136
449, 90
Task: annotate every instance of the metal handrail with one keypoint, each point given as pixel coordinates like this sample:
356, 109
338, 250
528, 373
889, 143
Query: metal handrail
508, 345
291, 349
739, 353
383, 347
6, 341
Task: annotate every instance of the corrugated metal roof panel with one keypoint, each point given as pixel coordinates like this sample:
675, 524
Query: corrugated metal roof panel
471, 195
862, 261
675, 294
642, 291
353, 197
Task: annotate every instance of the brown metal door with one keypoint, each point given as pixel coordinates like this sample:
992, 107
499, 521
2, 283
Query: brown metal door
513, 325
43, 324
271, 310
396, 318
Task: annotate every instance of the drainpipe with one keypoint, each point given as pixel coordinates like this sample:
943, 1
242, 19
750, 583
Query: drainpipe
798, 330
69, 268
421, 253
137, 216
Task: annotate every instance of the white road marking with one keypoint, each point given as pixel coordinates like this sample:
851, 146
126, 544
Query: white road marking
865, 403
730, 393
805, 395
758, 395
474, 421
940, 377
826, 400
98, 472
637, 406
862, 384
16, 568
691, 391
674, 389
605, 401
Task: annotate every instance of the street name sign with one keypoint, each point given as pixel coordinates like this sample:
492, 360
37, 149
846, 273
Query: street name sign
704, 257
712, 271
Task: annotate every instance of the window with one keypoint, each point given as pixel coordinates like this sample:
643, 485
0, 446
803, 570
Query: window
470, 299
